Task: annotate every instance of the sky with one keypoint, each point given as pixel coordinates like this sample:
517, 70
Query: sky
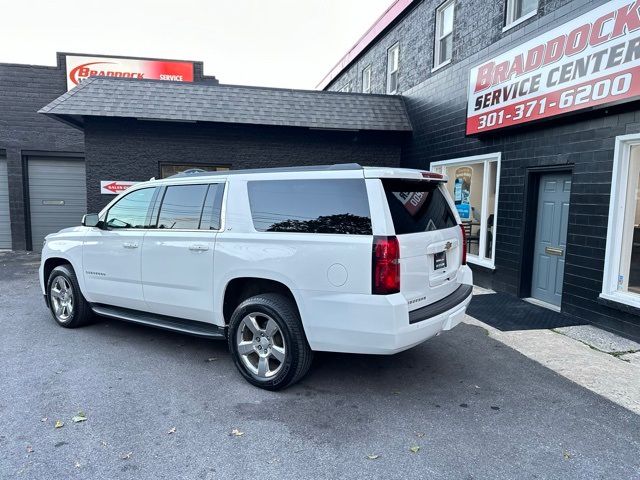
276, 43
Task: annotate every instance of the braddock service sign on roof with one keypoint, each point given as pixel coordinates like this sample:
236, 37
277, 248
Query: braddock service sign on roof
80, 67
590, 61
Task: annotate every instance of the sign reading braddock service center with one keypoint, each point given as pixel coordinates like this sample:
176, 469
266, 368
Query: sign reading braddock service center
590, 61
80, 67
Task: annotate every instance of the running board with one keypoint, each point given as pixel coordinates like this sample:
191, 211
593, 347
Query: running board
174, 324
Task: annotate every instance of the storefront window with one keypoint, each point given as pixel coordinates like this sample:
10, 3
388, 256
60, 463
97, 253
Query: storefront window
629, 274
621, 281
473, 185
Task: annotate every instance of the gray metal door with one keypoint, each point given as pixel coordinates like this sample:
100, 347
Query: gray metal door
5, 224
551, 238
57, 195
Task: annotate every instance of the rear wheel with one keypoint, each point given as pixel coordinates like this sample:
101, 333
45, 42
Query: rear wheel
67, 304
268, 343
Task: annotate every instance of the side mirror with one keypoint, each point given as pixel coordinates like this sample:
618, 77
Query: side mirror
91, 220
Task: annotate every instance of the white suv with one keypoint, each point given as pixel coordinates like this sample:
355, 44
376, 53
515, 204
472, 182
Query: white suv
280, 262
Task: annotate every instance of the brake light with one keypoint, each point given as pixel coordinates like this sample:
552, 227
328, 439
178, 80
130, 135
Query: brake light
432, 176
385, 271
464, 245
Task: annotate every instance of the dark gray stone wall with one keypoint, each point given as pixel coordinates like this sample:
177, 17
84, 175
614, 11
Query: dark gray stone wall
583, 141
133, 150
478, 26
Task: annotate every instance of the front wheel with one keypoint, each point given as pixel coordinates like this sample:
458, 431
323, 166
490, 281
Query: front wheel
268, 343
68, 306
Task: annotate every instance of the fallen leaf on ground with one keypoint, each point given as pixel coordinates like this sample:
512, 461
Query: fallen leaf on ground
236, 433
171, 430
373, 457
414, 449
126, 456
29, 449
59, 424
566, 455
43, 419
80, 417
211, 359
419, 434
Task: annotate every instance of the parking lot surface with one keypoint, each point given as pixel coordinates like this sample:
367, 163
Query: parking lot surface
162, 405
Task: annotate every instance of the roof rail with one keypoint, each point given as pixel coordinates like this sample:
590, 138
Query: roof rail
309, 168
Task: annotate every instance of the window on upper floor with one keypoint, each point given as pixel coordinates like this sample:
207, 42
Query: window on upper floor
518, 11
444, 34
393, 67
346, 87
366, 79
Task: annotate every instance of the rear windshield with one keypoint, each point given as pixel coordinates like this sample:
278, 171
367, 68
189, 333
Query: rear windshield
310, 206
417, 206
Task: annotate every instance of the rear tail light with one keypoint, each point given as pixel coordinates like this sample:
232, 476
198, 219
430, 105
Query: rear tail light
385, 271
463, 261
432, 176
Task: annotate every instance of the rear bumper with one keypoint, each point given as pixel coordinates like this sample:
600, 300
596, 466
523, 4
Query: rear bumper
378, 324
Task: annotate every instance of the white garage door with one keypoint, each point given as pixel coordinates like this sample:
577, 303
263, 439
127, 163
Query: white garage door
57, 195
5, 224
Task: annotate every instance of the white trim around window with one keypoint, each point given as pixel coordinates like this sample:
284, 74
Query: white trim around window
444, 33
366, 79
346, 87
511, 20
612, 280
496, 158
393, 67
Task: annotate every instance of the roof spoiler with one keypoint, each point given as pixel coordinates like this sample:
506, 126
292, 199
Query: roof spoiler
404, 174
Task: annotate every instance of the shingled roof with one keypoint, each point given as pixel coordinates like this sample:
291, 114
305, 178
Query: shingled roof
173, 101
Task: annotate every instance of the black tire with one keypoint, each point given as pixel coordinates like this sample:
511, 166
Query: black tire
79, 313
297, 353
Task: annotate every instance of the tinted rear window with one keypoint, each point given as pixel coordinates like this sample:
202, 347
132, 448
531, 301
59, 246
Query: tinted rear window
417, 206
310, 206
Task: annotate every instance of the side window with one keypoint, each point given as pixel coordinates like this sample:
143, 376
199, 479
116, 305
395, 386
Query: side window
131, 210
212, 208
519, 10
393, 66
444, 33
310, 206
182, 206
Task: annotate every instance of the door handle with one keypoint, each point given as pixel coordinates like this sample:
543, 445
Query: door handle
198, 247
553, 251
130, 244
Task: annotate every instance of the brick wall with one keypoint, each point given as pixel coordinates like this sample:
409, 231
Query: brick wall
584, 142
133, 150
25, 89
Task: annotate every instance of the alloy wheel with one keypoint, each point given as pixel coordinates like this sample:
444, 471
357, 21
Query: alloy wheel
62, 298
261, 345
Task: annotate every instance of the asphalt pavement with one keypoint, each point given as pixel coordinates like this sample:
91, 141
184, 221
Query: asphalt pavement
160, 405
